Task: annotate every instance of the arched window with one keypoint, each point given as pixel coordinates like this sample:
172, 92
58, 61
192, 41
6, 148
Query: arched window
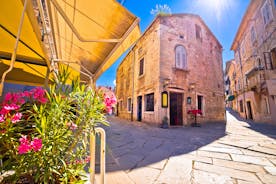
180, 57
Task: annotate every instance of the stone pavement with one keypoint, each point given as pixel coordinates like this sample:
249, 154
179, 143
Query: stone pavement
239, 152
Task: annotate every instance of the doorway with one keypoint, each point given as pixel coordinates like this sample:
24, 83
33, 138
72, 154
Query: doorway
139, 108
200, 103
176, 111
249, 109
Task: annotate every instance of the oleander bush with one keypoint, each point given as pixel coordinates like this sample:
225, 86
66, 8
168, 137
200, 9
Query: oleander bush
44, 133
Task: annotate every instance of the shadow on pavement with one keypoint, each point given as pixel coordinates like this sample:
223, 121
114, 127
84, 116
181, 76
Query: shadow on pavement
263, 128
132, 145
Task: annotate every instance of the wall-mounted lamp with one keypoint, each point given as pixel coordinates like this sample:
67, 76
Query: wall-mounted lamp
166, 82
189, 100
164, 99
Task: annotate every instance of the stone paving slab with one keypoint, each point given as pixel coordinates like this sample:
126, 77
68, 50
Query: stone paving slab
267, 178
263, 150
177, 170
200, 177
239, 166
226, 171
221, 150
144, 175
270, 170
251, 160
214, 155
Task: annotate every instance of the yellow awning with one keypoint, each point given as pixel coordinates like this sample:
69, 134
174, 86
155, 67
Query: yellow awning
91, 34
31, 61
23, 73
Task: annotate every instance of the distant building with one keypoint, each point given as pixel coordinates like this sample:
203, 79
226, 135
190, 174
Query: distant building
108, 91
177, 56
255, 54
230, 84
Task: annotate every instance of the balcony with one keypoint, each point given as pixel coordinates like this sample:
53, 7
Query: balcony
270, 74
255, 79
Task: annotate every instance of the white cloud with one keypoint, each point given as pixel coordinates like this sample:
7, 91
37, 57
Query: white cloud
114, 82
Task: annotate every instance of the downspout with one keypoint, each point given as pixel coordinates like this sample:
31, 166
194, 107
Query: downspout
15, 48
133, 63
243, 90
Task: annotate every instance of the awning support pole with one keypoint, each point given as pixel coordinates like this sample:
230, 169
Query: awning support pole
93, 136
15, 48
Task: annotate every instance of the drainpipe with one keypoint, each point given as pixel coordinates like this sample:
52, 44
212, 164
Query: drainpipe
133, 73
241, 68
15, 48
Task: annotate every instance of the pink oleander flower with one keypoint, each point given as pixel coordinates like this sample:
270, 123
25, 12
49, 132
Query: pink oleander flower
87, 160
16, 117
3, 112
8, 97
24, 140
14, 98
11, 107
72, 125
26, 94
36, 144
39, 95
2, 118
24, 146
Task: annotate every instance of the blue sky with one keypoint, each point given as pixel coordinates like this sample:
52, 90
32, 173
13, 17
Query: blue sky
221, 16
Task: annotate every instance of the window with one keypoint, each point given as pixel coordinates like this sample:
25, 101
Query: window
141, 67
198, 32
129, 104
149, 102
253, 35
180, 57
267, 16
268, 62
241, 106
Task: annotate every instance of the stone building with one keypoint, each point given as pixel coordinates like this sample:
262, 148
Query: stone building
230, 84
255, 54
174, 67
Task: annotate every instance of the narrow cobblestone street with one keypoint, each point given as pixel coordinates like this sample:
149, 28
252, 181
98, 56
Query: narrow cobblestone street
240, 152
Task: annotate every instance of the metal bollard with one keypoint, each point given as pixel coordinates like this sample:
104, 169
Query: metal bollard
100, 131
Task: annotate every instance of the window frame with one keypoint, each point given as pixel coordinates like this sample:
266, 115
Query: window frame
253, 35
198, 32
266, 13
143, 67
149, 107
180, 57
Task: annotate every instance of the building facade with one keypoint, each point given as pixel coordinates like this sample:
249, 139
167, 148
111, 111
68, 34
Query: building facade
230, 84
174, 67
255, 54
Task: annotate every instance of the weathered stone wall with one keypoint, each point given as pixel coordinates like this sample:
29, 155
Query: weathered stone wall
204, 64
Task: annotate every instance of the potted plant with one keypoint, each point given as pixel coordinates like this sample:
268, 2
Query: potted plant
194, 113
165, 123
